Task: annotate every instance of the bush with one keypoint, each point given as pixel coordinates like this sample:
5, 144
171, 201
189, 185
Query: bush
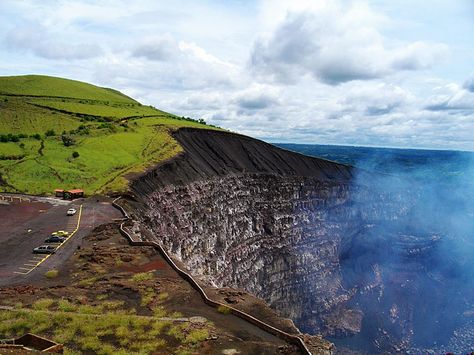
68, 140
4, 138
50, 133
142, 276
43, 304
51, 274
224, 309
36, 136
75, 155
196, 336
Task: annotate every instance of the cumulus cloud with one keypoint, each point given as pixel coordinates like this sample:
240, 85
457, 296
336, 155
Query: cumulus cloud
158, 49
257, 97
38, 40
163, 63
376, 99
452, 97
469, 83
336, 44
236, 65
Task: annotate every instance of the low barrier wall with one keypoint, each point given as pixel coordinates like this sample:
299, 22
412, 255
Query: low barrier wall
293, 339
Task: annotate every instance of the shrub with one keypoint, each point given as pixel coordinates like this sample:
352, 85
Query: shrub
75, 154
163, 296
66, 306
50, 133
36, 136
68, 140
224, 309
196, 336
43, 304
51, 274
4, 138
142, 276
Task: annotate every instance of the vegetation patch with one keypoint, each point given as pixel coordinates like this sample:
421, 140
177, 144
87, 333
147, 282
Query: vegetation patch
51, 274
105, 328
224, 309
59, 133
142, 276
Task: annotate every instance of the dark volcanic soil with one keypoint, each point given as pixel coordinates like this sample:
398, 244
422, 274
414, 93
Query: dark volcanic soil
215, 153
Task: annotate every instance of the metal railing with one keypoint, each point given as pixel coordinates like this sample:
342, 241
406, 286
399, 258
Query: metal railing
293, 339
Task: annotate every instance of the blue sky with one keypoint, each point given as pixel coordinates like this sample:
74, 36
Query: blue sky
380, 73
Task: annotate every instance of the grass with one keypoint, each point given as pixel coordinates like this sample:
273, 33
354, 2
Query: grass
39, 85
115, 111
109, 149
142, 276
104, 328
51, 274
224, 309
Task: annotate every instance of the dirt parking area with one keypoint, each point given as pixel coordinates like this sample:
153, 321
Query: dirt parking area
26, 222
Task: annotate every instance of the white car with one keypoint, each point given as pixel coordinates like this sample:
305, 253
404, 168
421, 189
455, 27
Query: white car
71, 212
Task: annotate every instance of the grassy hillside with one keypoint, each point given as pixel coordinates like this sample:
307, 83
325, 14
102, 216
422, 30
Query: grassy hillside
47, 86
59, 133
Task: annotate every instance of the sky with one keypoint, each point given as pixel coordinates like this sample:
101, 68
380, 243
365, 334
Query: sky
373, 73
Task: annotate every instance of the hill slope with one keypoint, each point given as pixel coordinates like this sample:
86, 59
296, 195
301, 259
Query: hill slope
40, 85
60, 133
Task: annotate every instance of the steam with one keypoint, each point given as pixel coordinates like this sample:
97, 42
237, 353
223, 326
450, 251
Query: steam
417, 229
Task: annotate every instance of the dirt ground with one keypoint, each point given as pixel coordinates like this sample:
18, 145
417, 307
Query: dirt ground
105, 265
25, 225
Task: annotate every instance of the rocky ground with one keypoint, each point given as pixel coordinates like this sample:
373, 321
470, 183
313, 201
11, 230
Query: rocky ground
131, 301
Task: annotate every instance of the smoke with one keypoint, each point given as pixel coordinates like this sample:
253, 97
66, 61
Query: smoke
415, 246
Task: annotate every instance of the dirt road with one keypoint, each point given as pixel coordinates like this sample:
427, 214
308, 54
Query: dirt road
26, 224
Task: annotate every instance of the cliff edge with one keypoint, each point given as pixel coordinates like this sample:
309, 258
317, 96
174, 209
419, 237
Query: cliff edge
209, 154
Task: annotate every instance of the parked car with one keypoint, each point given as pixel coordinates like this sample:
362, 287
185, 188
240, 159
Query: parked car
71, 212
55, 239
44, 249
61, 233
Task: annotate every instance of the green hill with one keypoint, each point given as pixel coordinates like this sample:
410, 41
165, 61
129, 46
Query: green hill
60, 133
40, 85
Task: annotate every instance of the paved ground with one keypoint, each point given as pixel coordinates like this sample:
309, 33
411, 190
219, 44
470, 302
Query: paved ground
25, 222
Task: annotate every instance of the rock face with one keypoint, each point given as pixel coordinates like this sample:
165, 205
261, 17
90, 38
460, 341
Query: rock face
315, 239
246, 214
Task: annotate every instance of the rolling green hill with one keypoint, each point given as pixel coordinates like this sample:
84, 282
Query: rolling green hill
60, 133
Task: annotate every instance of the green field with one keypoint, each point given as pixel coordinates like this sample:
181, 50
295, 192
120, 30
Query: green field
59, 133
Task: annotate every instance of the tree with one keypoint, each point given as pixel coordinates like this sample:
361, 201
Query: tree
67, 140
75, 155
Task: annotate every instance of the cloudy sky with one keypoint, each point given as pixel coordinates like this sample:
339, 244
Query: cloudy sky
378, 73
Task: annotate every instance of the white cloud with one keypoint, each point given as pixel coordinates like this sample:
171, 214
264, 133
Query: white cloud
43, 43
316, 71
452, 97
159, 48
336, 44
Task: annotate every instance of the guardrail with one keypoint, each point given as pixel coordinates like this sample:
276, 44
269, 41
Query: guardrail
11, 197
293, 339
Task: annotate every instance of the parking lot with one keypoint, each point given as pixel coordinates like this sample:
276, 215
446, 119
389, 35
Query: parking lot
25, 223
